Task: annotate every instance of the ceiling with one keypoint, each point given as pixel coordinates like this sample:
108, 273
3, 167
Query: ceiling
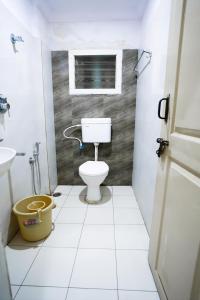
91, 10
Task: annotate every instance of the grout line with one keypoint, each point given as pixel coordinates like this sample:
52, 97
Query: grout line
76, 253
14, 284
47, 286
87, 248
104, 289
98, 224
16, 292
74, 206
128, 224
24, 245
145, 250
86, 288
70, 190
111, 249
64, 287
115, 252
71, 223
146, 291
55, 217
107, 224
126, 207
54, 221
94, 224
100, 206
40, 248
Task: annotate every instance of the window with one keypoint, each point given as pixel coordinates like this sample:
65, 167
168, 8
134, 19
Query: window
95, 72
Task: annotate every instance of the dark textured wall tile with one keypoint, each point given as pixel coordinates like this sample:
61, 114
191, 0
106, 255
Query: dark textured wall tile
69, 109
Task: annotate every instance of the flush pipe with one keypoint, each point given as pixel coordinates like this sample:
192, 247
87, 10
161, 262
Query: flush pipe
96, 145
72, 137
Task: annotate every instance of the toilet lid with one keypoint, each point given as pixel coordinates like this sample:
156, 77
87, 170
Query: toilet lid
92, 168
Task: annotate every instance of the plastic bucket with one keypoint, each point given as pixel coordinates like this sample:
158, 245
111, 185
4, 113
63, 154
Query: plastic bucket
34, 226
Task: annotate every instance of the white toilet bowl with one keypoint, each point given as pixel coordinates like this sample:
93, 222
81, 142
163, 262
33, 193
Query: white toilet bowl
93, 174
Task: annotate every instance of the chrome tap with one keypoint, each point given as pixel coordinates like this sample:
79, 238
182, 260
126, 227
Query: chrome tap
15, 38
36, 150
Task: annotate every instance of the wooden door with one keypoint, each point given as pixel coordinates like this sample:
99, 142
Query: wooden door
175, 236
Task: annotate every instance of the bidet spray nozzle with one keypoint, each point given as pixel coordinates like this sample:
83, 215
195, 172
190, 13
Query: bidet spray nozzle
82, 146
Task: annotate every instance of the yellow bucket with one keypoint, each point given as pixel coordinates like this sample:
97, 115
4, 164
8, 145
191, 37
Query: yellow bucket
34, 224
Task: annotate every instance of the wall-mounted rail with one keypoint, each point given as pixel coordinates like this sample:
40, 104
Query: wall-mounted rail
146, 54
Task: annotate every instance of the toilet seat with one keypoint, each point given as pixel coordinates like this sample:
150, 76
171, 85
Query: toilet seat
93, 168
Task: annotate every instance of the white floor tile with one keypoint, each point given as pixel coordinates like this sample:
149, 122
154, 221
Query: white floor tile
123, 190
106, 190
71, 215
106, 201
75, 201
52, 267
99, 216
127, 216
14, 290
64, 235
79, 190
131, 237
55, 213
63, 189
134, 271
19, 259
98, 236
41, 293
124, 201
95, 269
19, 241
91, 294
135, 295
59, 201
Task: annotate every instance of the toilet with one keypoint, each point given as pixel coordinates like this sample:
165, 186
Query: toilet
93, 173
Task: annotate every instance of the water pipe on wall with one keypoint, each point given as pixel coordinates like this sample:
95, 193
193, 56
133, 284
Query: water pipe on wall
35, 170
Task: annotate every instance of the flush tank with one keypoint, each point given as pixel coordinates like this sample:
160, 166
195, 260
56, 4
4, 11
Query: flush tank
96, 130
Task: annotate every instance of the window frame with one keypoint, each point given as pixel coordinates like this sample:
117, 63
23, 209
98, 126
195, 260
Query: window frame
118, 75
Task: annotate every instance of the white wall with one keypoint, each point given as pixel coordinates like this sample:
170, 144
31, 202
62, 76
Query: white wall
32, 20
150, 88
21, 81
28, 15
76, 35
94, 35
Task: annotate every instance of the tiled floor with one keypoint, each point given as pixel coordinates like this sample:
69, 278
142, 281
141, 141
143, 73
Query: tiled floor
95, 252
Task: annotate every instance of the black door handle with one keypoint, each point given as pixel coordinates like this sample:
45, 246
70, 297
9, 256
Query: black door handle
163, 144
165, 117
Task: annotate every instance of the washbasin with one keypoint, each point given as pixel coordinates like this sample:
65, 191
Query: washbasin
7, 156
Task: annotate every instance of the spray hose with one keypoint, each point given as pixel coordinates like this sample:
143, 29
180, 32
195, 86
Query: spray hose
72, 137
